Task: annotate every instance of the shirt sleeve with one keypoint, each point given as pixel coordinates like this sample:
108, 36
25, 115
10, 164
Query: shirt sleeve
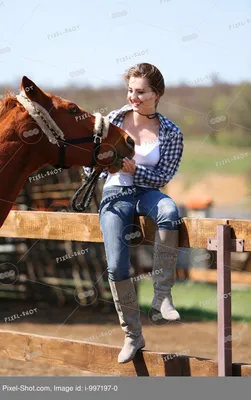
166, 167
88, 170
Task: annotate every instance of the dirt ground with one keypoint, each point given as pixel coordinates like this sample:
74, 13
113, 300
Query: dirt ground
216, 187
189, 338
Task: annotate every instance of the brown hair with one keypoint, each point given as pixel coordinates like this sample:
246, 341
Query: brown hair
149, 71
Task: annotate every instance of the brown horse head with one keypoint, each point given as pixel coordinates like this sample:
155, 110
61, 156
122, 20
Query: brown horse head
33, 129
76, 123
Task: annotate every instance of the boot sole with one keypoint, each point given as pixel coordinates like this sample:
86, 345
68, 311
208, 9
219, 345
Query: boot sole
124, 362
176, 319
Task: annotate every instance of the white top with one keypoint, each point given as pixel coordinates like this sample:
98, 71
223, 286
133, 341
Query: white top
148, 155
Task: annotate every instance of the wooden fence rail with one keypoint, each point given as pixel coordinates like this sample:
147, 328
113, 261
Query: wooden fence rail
221, 235
194, 233
102, 359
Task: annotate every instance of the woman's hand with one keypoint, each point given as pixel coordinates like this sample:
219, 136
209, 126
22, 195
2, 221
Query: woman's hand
129, 165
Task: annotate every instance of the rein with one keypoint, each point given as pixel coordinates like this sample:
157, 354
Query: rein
90, 185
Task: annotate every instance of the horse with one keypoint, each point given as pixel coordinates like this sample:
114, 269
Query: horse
39, 128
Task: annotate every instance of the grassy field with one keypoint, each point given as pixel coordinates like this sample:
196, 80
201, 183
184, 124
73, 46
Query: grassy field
201, 157
198, 302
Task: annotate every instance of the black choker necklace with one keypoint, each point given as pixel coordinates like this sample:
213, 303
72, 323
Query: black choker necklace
150, 116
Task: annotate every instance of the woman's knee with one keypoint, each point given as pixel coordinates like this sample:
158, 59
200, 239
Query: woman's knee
168, 215
117, 275
118, 267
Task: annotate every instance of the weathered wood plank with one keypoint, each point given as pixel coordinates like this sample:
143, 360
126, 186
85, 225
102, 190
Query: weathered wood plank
195, 232
85, 227
61, 226
52, 225
102, 359
210, 276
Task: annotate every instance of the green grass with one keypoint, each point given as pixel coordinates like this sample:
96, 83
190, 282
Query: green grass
198, 302
200, 157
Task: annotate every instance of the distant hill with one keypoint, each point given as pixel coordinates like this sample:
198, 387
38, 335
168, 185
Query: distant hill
197, 110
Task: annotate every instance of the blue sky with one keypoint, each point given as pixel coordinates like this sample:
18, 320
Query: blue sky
76, 42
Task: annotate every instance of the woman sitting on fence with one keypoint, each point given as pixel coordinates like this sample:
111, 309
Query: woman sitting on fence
135, 189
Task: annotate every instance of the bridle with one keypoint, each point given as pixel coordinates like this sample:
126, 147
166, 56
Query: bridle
56, 136
96, 139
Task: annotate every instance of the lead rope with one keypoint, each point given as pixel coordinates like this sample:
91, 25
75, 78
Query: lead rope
101, 127
90, 185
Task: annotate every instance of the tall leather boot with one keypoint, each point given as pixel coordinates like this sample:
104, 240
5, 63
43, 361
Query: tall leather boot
164, 268
126, 304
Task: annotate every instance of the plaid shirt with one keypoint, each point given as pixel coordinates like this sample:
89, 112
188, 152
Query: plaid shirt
171, 149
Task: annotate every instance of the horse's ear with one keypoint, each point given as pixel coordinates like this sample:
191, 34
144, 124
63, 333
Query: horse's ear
32, 91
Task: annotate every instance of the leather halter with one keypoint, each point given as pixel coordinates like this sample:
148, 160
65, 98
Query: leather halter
56, 135
64, 143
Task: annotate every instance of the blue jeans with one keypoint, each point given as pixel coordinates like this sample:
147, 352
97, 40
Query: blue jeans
118, 206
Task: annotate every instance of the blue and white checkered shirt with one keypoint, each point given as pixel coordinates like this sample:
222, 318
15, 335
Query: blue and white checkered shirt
171, 149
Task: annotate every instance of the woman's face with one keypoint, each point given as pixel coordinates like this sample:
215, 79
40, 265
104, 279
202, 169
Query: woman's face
140, 95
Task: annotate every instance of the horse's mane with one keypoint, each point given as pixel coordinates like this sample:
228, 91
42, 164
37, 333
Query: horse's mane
7, 103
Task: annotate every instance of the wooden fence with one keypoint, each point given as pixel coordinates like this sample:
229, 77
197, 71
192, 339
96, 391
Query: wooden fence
50, 189
221, 235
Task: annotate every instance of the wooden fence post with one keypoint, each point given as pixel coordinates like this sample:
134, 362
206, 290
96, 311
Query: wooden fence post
224, 300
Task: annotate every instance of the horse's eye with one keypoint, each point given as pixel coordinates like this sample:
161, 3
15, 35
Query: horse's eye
74, 110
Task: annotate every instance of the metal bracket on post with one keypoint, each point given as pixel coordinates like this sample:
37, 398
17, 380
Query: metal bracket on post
223, 244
